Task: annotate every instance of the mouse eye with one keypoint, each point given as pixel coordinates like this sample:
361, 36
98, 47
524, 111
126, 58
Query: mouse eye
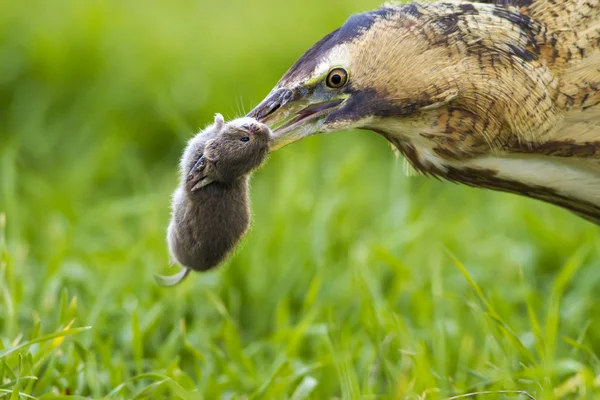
245, 139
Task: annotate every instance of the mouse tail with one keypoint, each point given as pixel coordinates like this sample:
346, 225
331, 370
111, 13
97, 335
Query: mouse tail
172, 280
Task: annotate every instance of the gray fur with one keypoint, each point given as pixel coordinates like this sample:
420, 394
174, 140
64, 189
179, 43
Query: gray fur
210, 210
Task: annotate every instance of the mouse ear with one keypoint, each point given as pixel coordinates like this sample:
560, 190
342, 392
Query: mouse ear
219, 122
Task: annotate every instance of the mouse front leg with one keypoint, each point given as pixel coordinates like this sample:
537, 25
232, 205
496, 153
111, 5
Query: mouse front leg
202, 173
197, 180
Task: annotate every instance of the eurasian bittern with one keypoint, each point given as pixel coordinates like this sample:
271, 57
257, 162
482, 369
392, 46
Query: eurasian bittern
503, 95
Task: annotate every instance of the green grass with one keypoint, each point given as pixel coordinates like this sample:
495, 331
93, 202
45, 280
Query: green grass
355, 281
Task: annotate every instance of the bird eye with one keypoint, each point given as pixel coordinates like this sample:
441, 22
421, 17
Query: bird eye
245, 139
337, 78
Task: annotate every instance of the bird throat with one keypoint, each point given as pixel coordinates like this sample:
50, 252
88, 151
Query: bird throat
570, 183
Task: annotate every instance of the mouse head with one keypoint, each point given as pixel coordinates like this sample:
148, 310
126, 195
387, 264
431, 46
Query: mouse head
246, 134
240, 146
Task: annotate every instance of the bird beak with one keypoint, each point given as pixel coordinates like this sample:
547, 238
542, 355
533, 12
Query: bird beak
292, 116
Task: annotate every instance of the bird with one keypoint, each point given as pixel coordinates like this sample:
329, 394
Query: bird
501, 95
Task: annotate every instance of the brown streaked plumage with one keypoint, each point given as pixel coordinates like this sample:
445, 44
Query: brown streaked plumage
503, 95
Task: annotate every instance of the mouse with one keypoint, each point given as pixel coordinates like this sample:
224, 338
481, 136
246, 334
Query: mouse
210, 211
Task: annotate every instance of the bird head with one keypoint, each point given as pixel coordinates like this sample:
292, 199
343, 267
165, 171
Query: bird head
375, 69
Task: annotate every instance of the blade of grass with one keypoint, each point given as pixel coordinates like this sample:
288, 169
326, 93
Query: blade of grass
561, 282
499, 392
16, 394
68, 332
305, 388
177, 388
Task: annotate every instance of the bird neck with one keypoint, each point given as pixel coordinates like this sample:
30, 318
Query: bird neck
570, 183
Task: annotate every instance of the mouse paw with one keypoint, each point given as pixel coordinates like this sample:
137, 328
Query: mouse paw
197, 181
198, 178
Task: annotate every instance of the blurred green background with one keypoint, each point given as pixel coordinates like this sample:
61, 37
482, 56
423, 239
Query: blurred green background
356, 281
